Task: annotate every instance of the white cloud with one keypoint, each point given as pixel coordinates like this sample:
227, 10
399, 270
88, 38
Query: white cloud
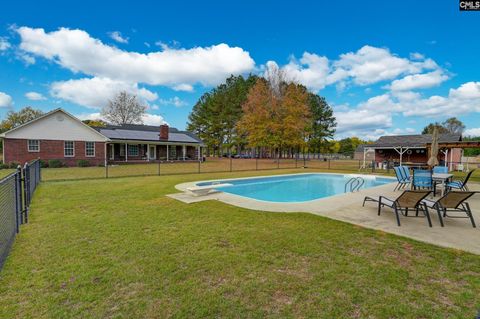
5, 100
95, 92
4, 44
183, 87
311, 70
175, 101
148, 119
371, 64
472, 132
366, 66
34, 96
117, 36
361, 120
25, 58
419, 81
77, 51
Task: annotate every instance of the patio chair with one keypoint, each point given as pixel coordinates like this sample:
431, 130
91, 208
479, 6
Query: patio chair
401, 178
440, 170
452, 202
461, 185
422, 179
408, 200
406, 172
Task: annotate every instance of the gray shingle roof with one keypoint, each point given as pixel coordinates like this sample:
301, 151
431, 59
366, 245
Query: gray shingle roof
146, 133
420, 140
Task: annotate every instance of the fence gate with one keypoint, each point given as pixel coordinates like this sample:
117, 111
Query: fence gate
16, 192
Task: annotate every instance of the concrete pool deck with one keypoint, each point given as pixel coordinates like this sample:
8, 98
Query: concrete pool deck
458, 233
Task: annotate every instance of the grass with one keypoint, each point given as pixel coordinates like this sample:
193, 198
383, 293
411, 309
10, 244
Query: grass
119, 248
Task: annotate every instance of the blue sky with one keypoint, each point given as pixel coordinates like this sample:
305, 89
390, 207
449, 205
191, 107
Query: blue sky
386, 67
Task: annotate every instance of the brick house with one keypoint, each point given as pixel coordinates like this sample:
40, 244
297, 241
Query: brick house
58, 135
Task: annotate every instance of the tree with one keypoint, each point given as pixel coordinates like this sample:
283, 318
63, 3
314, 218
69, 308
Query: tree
14, 119
95, 123
451, 125
323, 122
276, 118
430, 127
349, 145
454, 125
215, 115
125, 108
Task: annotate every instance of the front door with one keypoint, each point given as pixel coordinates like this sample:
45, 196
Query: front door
153, 153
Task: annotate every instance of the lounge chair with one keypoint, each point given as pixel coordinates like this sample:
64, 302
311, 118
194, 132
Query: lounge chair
461, 185
403, 203
401, 178
452, 202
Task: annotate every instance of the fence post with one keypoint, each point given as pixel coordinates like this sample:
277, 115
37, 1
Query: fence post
26, 190
256, 163
106, 170
296, 160
230, 163
329, 163
373, 166
199, 164
18, 198
158, 170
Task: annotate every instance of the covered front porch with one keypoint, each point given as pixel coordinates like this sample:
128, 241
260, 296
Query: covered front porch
148, 152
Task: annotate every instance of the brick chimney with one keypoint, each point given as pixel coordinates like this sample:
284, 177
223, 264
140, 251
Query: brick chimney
164, 132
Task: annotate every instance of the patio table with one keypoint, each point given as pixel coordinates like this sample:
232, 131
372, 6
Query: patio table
443, 178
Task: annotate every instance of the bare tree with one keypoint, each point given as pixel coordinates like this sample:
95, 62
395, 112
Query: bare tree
276, 79
124, 108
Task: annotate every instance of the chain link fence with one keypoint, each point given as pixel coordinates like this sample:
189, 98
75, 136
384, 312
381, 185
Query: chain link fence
16, 190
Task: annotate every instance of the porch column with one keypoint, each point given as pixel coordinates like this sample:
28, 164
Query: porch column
198, 153
126, 152
168, 151
148, 152
184, 151
106, 148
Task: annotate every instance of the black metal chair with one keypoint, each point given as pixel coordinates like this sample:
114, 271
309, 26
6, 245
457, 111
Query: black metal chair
452, 202
408, 200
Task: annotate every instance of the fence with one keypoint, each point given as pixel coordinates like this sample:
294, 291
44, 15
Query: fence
16, 190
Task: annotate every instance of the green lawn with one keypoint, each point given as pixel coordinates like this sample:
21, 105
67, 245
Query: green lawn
119, 248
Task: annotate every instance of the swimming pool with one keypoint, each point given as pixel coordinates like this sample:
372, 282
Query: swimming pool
293, 188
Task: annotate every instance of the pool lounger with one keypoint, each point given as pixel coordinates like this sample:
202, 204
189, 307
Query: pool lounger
205, 190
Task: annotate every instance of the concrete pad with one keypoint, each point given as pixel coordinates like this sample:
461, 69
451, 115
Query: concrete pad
458, 233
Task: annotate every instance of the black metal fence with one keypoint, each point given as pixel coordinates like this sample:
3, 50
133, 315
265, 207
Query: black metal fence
16, 190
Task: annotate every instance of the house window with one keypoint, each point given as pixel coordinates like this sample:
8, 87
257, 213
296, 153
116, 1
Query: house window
69, 149
33, 145
90, 149
132, 150
122, 150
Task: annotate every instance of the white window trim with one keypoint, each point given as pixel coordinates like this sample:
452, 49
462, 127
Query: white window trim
65, 155
33, 151
129, 147
86, 155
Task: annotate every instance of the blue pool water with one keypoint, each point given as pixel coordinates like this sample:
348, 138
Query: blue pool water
293, 188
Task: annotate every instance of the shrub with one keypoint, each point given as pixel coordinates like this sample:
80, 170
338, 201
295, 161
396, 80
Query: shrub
4, 165
83, 163
55, 163
14, 164
43, 164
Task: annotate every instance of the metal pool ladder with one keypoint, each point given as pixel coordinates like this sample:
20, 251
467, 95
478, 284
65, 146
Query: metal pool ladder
354, 184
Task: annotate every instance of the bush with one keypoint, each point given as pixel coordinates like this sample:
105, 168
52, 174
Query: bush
13, 164
83, 163
43, 164
55, 163
4, 165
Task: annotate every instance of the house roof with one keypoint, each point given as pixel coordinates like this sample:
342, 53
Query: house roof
48, 114
420, 140
146, 133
